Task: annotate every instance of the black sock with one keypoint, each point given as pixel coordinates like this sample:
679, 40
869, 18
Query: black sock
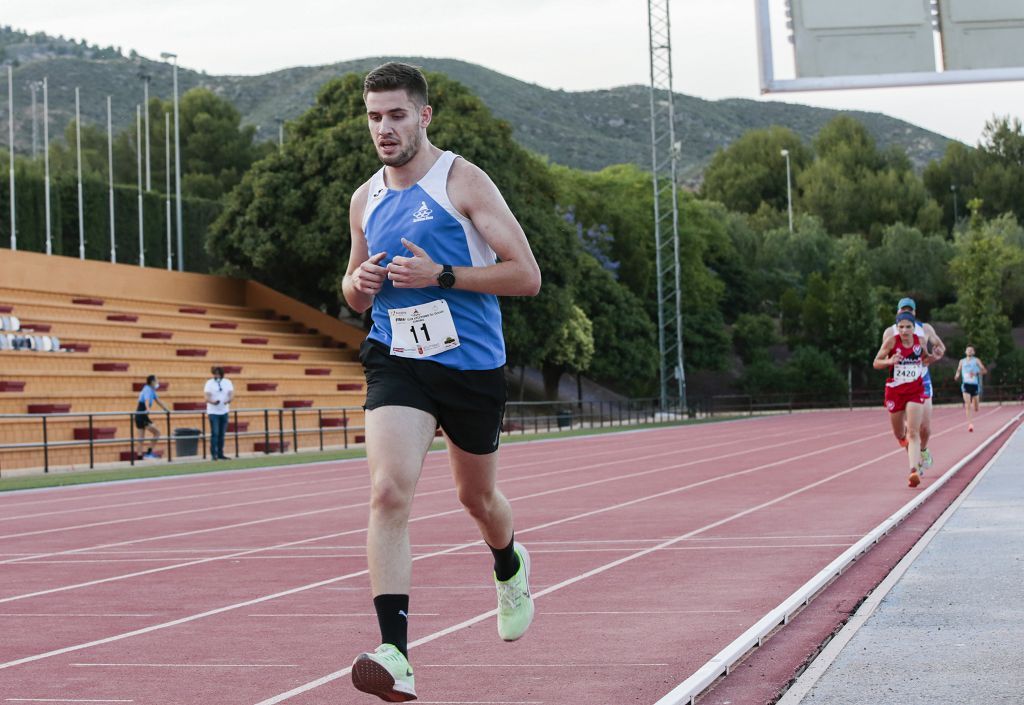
506, 562
393, 618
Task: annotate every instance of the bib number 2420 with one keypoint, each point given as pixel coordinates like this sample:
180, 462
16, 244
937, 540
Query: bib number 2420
422, 331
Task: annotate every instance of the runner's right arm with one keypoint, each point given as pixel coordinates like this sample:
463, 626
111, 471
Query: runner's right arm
363, 276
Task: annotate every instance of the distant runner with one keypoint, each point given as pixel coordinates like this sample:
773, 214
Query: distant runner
937, 349
906, 358
971, 369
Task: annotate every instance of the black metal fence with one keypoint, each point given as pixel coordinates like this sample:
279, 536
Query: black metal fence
280, 430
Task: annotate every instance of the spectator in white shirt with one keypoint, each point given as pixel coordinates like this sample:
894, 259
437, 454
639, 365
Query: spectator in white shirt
219, 392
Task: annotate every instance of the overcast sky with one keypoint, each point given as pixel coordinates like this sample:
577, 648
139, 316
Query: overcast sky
567, 44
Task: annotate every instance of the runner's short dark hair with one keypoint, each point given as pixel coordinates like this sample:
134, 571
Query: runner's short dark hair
217, 371
394, 76
149, 380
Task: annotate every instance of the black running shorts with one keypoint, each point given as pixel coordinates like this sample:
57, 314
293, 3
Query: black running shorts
142, 420
468, 404
971, 389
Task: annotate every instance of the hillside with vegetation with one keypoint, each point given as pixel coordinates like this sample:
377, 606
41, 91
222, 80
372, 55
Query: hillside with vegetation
581, 129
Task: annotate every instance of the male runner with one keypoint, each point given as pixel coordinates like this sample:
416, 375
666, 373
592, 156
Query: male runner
433, 246
971, 368
936, 349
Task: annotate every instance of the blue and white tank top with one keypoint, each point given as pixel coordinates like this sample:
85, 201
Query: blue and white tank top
970, 370
424, 214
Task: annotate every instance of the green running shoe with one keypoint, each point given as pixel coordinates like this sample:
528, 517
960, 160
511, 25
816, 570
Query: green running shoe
385, 673
515, 604
926, 459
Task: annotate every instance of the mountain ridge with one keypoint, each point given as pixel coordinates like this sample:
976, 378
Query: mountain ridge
583, 129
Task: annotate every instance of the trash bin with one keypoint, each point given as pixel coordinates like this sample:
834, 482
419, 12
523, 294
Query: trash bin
564, 418
186, 441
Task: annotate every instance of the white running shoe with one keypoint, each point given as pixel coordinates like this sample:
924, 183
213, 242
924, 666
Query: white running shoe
515, 603
385, 673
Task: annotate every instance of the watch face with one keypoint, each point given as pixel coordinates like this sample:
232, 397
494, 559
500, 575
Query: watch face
446, 279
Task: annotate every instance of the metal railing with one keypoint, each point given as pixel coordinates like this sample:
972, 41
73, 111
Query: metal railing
860, 398
304, 429
278, 428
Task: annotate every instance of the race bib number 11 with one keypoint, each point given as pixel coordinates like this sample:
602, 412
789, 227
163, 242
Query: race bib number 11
422, 331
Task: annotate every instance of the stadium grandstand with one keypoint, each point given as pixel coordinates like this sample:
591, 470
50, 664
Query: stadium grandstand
80, 337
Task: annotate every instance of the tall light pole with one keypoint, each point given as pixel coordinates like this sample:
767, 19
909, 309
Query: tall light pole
138, 172
35, 86
789, 188
10, 141
145, 110
46, 162
956, 214
280, 131
177, 162
110, 176
78, 148
167, 189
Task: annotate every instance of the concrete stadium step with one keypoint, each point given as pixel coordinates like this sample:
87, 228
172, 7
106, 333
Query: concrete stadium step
130, 331
174, 321
15, 364
41, 382
95, 401
217, 352
12, 296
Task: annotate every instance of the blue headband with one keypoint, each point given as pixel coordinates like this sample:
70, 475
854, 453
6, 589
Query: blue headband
906, 316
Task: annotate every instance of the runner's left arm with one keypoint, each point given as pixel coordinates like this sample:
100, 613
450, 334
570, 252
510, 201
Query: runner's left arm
938, 350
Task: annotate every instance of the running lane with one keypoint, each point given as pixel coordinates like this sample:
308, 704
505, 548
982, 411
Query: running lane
651, 551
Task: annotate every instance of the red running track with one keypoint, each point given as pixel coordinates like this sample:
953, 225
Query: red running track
651, 551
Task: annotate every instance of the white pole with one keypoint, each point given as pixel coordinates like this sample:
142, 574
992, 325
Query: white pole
46, 162
177, 162
789, 189
10, 141
78, 146
34, 85
145, 111
138, 170
167, 189
110, 177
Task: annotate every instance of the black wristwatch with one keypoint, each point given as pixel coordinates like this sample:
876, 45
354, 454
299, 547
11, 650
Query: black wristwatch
446, 279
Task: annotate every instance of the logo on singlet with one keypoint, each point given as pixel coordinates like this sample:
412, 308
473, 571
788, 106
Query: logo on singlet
422, 213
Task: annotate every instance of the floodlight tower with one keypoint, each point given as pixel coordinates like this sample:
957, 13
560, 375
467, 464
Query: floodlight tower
664, 155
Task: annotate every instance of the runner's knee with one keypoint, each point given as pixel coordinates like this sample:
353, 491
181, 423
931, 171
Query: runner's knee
390, 496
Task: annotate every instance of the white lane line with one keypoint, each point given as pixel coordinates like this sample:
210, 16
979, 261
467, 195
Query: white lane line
610, 664
185, 665
558, 490
340, 614
596, 571
204, 495
343, 556
336, 579
674, 452
73, 614
642, 612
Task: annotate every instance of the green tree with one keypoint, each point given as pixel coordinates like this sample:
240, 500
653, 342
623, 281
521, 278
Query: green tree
853, 331
570, 349
914, 264
752, 335
752, 171
980, 268
854, 188
814, 316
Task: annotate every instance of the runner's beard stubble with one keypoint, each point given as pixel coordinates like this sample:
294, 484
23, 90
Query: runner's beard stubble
403, 156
